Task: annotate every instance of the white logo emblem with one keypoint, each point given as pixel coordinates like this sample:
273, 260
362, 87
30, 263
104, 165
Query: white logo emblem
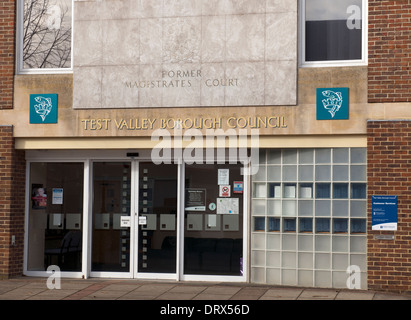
54, 281
54, 17
354, 278
43, 107
333, 102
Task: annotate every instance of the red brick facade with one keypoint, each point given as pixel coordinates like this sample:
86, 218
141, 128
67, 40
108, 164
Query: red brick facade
12, 163
12, 203
389, 51
389, 146
389, 173
7, 52
389, 142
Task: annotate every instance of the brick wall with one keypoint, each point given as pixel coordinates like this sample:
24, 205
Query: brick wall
389, 173
12, 200
389, 51
12, 163
7, 52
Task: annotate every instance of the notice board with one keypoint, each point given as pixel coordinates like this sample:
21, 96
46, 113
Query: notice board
384, 213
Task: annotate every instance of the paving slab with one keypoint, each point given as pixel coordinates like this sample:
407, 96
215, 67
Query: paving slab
318, 294
105, 294
212, 296
222, 290
52, 294
35, 285
176, 296
188, 289
282, 294
138, 297
75, 285
147, 292
386, 296
141, 295
8, 286
22, 293
249, 294
153, 288
122, 287
126, 289
354, 295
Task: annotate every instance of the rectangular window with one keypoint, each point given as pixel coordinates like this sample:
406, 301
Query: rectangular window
358, 226
333, 32
289, 224
340, 190
358, 191
259, 224
323, 190
274, 224
306, 225
55, 216
322, 225
44, 36
340, 225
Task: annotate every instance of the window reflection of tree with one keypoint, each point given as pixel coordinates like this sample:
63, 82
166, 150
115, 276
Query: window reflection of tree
47, 34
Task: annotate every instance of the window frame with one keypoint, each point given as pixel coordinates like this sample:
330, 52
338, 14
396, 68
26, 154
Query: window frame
19, 45
332, 63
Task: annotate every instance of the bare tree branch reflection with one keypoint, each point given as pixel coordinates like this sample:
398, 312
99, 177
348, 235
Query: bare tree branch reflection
47, 34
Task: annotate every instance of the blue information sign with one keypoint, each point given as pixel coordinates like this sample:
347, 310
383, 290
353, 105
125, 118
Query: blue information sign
384, 212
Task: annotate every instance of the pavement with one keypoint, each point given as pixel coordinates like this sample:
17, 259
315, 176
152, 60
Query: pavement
33, 288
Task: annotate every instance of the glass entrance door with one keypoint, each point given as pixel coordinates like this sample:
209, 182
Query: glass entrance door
123, 214
141, 229
157, 218
110, 250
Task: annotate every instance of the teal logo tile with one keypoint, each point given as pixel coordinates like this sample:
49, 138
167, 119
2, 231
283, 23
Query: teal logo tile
332, 103
43, 108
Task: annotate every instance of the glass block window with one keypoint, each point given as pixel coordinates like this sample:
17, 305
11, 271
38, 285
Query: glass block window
309, 213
